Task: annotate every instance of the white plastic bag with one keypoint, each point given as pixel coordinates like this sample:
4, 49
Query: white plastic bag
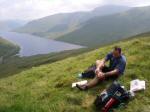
137, 85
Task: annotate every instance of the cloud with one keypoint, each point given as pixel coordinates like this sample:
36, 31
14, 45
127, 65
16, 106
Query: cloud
33, 9
129, 2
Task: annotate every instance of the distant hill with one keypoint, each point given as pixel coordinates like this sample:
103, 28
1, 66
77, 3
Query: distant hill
106, 29
7, 48
47, 88
59, 24
11, 25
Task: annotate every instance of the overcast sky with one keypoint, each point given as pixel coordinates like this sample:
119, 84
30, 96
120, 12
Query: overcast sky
33, 9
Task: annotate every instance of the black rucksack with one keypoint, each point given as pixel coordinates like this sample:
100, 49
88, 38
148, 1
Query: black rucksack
112, 97
89, 72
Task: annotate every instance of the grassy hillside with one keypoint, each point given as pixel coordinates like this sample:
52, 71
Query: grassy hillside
101, 30
16, 64
48, 88
7, 48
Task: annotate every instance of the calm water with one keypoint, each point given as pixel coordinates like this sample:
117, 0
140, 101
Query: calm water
34, 45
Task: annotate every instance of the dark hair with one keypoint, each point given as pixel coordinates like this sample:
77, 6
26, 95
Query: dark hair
116, 48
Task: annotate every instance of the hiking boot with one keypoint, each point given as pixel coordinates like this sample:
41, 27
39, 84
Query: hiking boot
82, 87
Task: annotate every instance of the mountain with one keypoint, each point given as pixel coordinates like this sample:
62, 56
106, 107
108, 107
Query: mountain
47, 88
101, 30
59, 24
11, 25
7, 48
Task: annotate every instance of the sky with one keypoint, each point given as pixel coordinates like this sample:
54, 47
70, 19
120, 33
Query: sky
33, 9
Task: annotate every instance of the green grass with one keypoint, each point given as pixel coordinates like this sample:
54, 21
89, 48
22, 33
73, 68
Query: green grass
47, 88
7, 48
15, 64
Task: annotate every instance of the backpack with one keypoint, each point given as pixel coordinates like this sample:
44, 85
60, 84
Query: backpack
112, 97
89, 72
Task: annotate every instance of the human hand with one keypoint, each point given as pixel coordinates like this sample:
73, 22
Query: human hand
101, 75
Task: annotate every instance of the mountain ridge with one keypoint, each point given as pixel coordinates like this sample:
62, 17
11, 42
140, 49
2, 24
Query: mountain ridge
105, 29
45, 26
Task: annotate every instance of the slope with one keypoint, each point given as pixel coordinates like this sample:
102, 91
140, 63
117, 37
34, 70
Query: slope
48, 88
7, 48
102, 30
59, 24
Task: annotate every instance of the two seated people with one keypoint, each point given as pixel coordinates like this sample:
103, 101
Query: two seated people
117, 64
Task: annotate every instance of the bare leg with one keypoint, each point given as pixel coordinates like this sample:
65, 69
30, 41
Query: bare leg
96, 80
90, 84
98, 62
93, 82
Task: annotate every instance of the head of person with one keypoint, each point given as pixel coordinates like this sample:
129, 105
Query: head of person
116, 52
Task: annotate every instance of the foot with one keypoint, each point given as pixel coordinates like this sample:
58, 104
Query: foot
82, 87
